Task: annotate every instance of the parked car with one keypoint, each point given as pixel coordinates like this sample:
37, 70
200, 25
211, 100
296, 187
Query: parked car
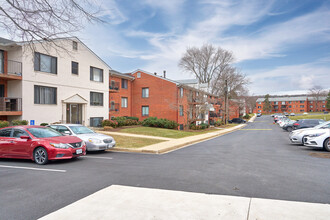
286, 114
259, 115
320, 139
307, 123
283, 122
39, 144
237, 121
277, 117
305, 113
298, 136
325, 112
289, 126
94, 141
292, 114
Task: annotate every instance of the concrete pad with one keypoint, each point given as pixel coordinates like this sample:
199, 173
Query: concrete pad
122, 202
286, 210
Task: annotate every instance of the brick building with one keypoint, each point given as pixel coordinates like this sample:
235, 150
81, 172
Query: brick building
142, 94
293, 104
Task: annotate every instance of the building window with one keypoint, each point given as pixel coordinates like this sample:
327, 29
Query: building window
145, 92
181, 92
45, 95
181, 110
283, 103
96, 99
74, 67
259, 110
289, 102
275, 103
96, 121
311, 106
124, 83
2, 61
302, 101
96, 74
302, 106
74, 45
259, 103
323, 106
290, 106
138, 75
124, 102
259, 106
45, 63
145, 110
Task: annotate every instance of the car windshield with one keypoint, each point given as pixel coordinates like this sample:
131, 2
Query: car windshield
44, 132
81, 130
323, 124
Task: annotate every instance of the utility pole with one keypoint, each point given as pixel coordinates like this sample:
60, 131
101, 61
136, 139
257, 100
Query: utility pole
226, 102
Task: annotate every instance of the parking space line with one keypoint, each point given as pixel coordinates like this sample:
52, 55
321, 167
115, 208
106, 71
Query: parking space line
32, 168
258, 129
106, 158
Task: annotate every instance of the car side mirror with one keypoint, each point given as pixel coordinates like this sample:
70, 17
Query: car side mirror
25, 137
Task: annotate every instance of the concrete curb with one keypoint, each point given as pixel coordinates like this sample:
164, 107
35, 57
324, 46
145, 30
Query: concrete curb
168, 147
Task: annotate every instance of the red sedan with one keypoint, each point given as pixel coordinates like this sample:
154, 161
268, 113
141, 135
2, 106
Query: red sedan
39, 144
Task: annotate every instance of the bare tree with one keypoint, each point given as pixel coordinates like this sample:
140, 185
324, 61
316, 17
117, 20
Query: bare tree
45, 20
317, 92
206, 63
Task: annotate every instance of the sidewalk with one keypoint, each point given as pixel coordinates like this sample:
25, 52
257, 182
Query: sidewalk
123, 202
173, 144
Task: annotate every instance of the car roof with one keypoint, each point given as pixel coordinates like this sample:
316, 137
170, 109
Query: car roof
25, 126
67, 124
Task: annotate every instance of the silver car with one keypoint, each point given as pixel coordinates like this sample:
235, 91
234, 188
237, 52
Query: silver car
94, 141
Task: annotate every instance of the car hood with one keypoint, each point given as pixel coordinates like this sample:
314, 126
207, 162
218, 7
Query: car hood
85, 137
62, 139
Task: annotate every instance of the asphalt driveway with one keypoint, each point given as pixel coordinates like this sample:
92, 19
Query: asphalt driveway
256, 161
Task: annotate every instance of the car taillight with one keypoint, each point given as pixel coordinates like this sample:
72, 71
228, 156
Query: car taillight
295, 124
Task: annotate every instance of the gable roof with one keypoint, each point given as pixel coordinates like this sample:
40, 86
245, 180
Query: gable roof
75, 99
157, 76
6, 42
121, 75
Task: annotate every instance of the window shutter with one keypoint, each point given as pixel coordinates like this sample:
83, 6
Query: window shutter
102, 77
54, 65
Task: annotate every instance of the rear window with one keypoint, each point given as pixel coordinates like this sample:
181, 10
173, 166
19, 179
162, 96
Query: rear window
5, 132
44, 132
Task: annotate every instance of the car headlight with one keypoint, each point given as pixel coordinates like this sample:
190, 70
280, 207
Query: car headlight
94, 141
60, 145
83, 143
316, 135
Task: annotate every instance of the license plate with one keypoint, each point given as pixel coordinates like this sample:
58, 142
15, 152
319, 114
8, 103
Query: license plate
79, 151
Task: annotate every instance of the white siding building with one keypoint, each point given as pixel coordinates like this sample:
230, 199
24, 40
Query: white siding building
69, 85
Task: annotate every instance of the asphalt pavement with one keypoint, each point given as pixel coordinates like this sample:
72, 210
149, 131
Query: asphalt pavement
257, 161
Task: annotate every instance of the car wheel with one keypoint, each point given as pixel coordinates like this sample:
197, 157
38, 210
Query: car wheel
40, 156
326, 145
289, 129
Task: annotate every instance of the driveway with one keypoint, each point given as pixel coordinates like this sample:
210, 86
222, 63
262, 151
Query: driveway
256, 161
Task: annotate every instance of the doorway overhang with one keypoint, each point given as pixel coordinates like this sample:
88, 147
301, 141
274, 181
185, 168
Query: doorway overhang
77, 99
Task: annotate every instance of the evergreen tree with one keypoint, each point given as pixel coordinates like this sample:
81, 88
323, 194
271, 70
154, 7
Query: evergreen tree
328, 101
267, 107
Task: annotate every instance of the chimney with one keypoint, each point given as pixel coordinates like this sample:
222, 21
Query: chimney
164, 73
155, 73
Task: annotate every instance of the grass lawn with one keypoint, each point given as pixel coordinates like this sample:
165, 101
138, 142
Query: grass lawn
162, 132
325, 117
133, 142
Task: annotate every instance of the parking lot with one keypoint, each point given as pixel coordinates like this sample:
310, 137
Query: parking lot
256, 161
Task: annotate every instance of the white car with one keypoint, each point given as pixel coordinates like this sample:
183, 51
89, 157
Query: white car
283, 122
298, 136
320, 139
292, 114
305, 113
94, 141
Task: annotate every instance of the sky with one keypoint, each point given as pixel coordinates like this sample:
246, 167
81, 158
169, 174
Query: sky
282, 46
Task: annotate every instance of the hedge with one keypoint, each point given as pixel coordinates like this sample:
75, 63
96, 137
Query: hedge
159, 123
198, 127
119, 122
4, 124
20, 122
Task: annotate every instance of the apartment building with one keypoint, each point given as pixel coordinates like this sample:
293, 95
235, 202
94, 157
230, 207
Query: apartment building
142, 94
48, 84
293, 104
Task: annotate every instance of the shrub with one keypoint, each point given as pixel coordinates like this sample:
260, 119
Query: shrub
133, 118
4, 124
20, 122
246, 117
110, 123
159, 123
219, 123
43, 124
198, 127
